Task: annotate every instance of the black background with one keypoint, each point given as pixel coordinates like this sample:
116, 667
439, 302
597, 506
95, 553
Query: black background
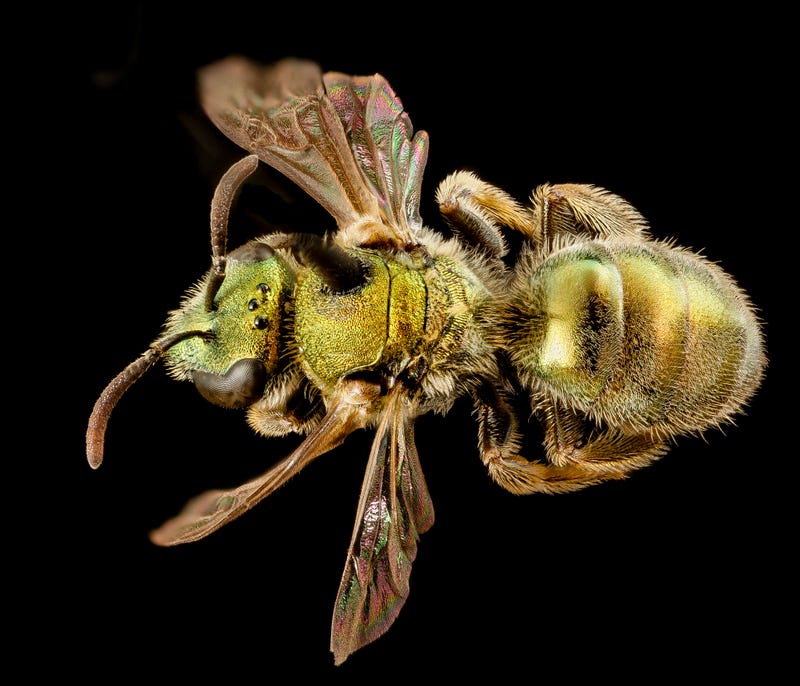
680, 570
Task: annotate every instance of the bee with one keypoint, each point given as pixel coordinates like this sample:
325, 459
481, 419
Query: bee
622, 342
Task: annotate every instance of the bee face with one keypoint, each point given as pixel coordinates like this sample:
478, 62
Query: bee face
245, 322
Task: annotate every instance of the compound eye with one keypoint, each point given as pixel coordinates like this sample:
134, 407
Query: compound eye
237, 388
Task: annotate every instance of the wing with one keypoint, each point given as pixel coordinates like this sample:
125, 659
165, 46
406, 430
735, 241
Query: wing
345, 140
389, 155
348, 411
393, 510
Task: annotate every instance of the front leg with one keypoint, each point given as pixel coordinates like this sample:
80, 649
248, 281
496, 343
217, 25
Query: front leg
292, 407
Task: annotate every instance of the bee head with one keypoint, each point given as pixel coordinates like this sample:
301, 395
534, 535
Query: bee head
238, 323
226, 335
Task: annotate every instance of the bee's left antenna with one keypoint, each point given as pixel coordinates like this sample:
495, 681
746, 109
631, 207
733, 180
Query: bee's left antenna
98, 421
224, 195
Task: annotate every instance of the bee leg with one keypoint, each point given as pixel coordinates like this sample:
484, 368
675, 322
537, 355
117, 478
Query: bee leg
498, 428
293, 408
578, 454
580, 209
475, 210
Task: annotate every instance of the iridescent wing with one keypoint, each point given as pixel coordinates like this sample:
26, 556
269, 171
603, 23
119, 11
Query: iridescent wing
344, 139
389, 155
393, 510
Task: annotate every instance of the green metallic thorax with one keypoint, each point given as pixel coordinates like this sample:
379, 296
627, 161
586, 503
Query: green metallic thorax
408, 311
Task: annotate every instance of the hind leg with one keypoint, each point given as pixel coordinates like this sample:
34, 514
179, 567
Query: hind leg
577, 453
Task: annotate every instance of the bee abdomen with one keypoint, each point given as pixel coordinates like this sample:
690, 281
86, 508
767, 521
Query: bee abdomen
641, 336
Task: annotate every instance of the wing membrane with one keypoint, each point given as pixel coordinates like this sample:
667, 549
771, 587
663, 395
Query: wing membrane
394, 509
391, 157
345, 140
281, 114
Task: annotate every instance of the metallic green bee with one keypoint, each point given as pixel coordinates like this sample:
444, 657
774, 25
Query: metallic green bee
385, 320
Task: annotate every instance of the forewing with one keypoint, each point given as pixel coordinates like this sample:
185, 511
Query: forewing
346, 140
282, 114
390, 156
393, 510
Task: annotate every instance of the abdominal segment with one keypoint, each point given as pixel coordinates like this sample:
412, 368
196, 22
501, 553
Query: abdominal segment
641, 336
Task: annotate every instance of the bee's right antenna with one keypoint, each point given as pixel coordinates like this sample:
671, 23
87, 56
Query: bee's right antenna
224, 195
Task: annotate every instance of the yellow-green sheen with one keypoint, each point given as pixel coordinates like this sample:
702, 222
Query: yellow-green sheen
232, 324
382, 322
648, 335
565, 349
